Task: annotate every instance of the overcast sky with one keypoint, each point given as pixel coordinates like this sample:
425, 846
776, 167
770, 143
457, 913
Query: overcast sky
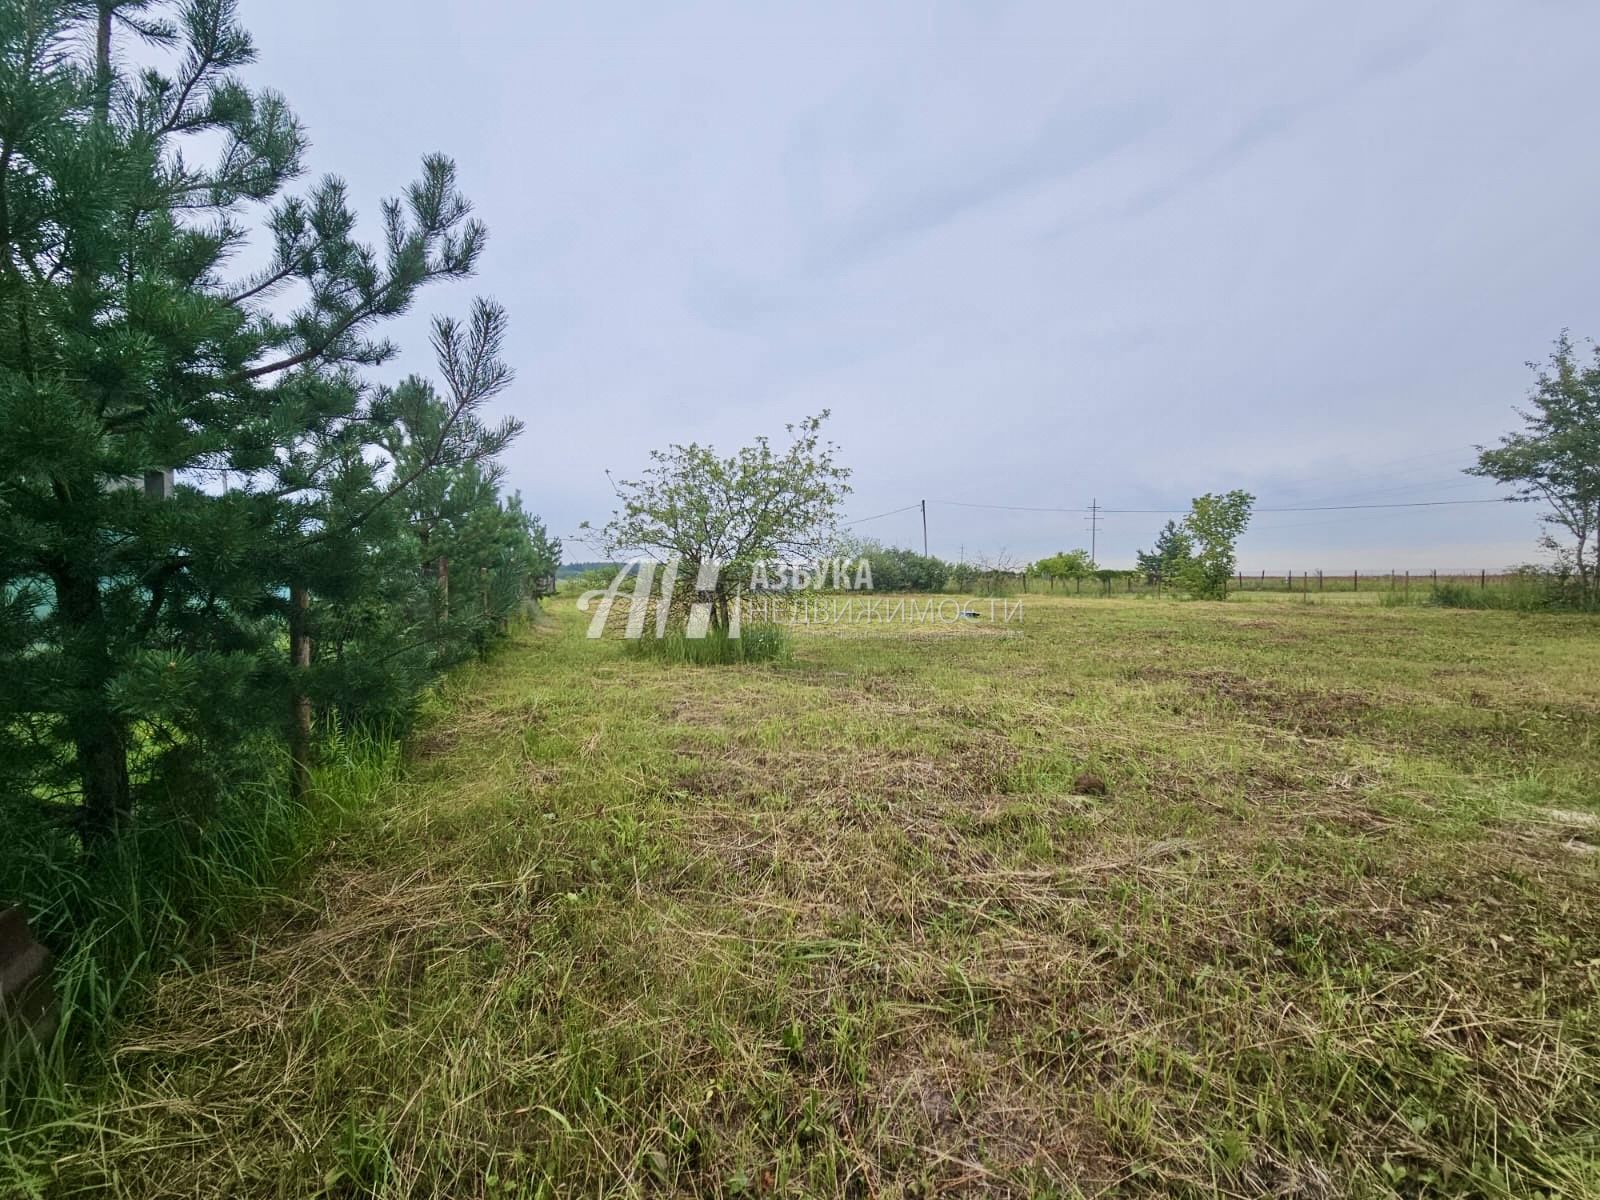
1027, 254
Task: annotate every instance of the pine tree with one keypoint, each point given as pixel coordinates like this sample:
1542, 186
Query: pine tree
1165, 562
143, 647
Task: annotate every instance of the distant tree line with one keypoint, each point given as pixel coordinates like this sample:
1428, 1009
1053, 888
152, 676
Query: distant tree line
218, 530
573, 570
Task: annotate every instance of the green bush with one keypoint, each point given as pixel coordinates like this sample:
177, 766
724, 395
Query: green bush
895, 569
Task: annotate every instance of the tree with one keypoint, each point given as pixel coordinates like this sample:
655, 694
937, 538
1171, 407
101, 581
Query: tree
895, 568
755, 505
1064, 565
1165, 562
1556, 459
147, 649
1214, 524
993, 573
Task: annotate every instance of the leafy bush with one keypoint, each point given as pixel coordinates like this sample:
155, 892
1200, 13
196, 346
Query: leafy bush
896, 569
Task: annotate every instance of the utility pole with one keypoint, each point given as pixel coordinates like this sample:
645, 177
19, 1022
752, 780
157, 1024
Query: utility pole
1094, 529
924, 529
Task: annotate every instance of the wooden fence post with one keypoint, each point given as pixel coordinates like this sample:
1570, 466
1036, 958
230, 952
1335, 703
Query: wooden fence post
1483, 578
1355, 580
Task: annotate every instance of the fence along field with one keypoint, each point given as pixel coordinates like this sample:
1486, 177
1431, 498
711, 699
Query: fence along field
1132, 583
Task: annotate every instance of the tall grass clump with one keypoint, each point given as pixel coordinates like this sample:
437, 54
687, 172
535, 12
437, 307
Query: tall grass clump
756, 643
158, 898
1530, 589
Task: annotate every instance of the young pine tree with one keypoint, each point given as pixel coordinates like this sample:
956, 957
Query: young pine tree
143, 640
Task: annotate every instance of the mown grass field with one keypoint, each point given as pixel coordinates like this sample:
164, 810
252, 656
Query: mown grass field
855, 924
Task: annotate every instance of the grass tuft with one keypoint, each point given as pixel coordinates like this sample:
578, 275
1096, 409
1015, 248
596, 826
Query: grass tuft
756, 643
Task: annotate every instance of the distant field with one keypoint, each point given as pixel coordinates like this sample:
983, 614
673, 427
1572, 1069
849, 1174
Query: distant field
864, 924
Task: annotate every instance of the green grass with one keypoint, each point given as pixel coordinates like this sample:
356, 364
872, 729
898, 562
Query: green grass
756, 643
168, 895
844, 925
1520, 595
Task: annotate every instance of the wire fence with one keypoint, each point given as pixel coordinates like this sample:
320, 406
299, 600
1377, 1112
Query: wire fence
1356, 581
1135, 583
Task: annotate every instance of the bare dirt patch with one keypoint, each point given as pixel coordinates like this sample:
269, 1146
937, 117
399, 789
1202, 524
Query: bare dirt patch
1300, 710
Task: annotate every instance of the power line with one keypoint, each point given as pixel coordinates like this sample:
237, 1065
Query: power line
1097, 509
878, 516
1016, 507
